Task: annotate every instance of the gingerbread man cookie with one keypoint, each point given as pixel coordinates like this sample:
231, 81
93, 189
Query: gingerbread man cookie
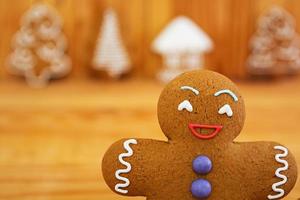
201, 113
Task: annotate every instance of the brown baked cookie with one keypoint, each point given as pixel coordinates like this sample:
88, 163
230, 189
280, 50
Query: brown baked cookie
201, 113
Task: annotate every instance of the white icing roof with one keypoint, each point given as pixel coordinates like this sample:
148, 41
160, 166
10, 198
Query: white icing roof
182, 35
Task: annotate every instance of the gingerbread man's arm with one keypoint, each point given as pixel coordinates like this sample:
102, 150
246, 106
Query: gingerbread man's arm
272, 165
127, 165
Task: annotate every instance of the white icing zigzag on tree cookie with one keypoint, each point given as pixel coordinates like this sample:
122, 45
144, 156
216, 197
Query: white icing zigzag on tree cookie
128, 167
275, 186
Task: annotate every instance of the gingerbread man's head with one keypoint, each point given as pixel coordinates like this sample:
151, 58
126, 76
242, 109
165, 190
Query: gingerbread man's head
201, 106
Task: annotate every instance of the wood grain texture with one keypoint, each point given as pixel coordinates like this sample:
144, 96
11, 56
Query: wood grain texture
52, 140
230, 23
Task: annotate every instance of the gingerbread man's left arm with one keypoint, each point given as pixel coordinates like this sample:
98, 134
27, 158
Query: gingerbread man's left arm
128, 163
273, 167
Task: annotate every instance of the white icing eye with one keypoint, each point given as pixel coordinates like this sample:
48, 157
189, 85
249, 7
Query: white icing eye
185, 105
226, 109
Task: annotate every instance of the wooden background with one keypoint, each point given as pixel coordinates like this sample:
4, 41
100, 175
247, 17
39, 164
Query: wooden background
229, 22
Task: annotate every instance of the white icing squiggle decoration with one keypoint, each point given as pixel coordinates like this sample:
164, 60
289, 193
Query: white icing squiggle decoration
278, 173
185, 105
129, 153
195, 91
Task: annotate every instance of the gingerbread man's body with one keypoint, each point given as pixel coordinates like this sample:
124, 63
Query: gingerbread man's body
200, 112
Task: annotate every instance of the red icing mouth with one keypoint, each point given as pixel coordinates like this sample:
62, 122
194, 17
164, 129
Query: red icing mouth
198, 134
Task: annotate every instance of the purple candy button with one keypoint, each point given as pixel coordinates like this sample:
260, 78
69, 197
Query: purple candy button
201, 188
202, 165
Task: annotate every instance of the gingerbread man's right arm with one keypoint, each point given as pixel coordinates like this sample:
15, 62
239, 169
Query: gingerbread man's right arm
127, 164
271, 165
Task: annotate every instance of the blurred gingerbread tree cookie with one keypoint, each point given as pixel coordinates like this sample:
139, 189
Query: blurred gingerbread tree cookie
275, 47
110, 54
39, 47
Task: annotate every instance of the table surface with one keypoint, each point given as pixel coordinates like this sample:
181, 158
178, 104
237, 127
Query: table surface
52, 140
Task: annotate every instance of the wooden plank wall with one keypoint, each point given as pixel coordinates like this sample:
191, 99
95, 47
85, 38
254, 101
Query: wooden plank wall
229, 22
